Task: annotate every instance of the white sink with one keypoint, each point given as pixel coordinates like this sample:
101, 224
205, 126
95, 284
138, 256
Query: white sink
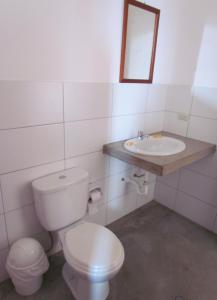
155, 145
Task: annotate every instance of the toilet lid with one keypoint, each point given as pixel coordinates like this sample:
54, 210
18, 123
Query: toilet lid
93, 248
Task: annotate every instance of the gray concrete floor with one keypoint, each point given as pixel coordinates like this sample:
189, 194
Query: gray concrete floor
166, 256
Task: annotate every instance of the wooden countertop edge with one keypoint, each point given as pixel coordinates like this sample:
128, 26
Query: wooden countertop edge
183, 162
130, 159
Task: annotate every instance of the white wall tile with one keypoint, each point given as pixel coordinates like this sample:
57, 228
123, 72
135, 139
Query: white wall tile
26, 104
126, 126
206, 166
121, 206
129, 99
150, 176
116, 187
17, 187
3, 256
44, 239
87, 100
174, 125
144, 199
154, 122
179, 98
99, 217
165, 195
131, 202
203, 129
1, 202
205, 104
26, 147
199, 186
117, 166
197, 211
3, 233
157, 98
96, 164
84, 137
171, 179
21, 223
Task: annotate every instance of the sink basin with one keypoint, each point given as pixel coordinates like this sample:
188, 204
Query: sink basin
157, 146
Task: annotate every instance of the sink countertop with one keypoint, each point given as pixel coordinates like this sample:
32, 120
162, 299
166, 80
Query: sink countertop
162, 165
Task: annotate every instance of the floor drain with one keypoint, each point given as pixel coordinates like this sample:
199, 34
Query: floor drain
179, 298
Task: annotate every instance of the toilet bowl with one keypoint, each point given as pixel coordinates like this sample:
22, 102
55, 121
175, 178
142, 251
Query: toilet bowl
93, 253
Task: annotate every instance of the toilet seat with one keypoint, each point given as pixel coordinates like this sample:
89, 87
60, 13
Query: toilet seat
93, 250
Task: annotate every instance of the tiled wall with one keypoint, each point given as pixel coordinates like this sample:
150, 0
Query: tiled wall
192, 191
47, 126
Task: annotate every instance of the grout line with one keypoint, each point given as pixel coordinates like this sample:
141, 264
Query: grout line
33, 166
64, 126
91, 182
113, 94
207, 203
3, 205
193, 115
190, 111
206, 176
108, 164
84, 154
165, 107
214, 222
30, 126
116, 116
189, 195
52, 162
81, 120
18, 208
177, 189
202, 117
200, 173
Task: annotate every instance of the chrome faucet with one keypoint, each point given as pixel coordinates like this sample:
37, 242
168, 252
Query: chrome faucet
142, 135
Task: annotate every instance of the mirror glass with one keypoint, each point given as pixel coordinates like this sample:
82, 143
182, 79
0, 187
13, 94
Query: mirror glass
139, 42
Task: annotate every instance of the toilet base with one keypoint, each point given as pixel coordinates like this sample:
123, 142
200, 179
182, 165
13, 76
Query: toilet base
84, 289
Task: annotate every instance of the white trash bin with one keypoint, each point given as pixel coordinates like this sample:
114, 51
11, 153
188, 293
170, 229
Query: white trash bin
26, 263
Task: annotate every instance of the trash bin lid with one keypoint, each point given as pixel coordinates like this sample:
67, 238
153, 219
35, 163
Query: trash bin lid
24, 252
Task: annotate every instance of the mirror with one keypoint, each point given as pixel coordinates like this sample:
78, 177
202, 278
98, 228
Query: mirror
139, 41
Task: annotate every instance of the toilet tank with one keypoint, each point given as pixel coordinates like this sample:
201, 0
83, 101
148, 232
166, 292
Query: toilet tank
61, 198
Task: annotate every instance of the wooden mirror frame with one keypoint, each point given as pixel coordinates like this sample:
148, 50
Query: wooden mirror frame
124, 41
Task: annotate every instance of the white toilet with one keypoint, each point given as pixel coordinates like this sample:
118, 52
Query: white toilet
93, 253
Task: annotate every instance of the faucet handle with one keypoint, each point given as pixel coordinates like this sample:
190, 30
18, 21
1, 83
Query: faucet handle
140, 133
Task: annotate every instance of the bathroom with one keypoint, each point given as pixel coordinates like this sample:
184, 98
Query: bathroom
63, 100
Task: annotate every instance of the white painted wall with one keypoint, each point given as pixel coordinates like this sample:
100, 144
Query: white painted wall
81, 40
60, 40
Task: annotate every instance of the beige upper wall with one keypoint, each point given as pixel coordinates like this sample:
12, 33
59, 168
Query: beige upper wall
81, 40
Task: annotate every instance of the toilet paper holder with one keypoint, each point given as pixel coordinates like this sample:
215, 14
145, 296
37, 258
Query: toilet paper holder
95, 195
95, 199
